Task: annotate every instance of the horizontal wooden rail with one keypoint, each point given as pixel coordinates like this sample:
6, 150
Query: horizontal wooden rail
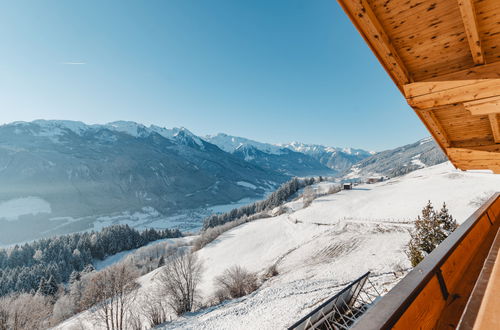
434, 294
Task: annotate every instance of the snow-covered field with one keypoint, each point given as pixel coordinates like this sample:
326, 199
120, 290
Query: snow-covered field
319, 249
186, 221
12, 209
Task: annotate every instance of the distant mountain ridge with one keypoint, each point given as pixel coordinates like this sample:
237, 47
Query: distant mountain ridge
307, 158
270, 156
62, 176
399, 161
84, 170
338, 159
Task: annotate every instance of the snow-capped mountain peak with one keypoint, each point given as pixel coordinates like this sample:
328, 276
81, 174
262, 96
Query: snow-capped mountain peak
50, 128
230, 144
55, 128
129, 127
180, 134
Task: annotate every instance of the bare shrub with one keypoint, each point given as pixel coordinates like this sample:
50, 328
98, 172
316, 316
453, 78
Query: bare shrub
25, 311
308, 196
155, 311
235, 282
64, 308
179, 279
111, 292
271, 272
478, 201
334, 189
134, 321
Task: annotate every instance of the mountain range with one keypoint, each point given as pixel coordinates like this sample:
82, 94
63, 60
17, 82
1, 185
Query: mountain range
60, 176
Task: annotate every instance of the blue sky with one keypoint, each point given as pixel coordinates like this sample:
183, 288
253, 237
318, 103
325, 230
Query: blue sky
274, 71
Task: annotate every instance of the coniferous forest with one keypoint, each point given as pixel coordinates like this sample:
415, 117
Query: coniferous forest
277, 198
45, 263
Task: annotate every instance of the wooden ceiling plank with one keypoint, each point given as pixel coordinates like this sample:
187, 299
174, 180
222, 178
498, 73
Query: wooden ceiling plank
361, 14
486, 71
470, 159
495, 128
470, 23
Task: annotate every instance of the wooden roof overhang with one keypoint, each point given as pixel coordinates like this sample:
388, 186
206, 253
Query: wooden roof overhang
444, 56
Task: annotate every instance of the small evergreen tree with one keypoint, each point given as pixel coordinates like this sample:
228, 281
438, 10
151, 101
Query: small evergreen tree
430, 230
47, 288
52, 287
42, 287
88, 269
448, 224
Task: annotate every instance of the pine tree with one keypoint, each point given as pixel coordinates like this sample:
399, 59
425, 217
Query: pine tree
51, 287
88, 269
447, 223
430, 230
47, 288
42, 287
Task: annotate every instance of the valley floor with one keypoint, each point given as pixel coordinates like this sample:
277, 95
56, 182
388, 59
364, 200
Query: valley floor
319, 249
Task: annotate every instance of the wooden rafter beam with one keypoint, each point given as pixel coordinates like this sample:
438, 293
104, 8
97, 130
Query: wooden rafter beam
495, 128
435, 127
427, 95
361, 14
470, 23
490, 107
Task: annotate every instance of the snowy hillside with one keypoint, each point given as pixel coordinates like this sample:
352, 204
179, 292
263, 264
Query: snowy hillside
320, 248
399, 161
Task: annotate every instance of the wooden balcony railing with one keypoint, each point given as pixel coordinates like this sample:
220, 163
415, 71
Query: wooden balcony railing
434, 294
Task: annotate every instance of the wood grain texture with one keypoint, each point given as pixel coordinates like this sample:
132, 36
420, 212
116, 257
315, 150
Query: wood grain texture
470, 23
495, 128
372, 31
444, 56
485, 106
444, 92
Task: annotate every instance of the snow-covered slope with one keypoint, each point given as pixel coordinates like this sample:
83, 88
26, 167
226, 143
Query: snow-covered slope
320, 248
335, 240
399, 161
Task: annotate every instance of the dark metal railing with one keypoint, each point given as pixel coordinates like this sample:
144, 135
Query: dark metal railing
341, 310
